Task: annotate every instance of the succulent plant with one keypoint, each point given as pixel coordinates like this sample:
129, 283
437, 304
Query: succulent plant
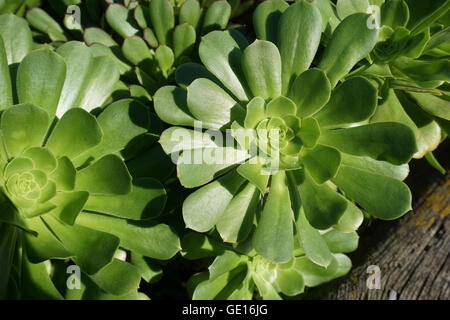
284, 137
238, 272
410, 65
71, 183
17, 7
328, 166
147, 39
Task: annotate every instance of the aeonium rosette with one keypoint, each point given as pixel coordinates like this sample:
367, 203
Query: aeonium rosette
237, 271
329, 166
34, 179
410, 65
148, 40
72, 184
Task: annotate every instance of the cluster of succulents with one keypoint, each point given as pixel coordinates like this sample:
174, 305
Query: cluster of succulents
137, 133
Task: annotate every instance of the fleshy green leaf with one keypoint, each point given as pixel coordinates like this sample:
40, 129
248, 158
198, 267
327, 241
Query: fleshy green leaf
273, 238
17, 165
6, 94
340, 242
433, 104
350, 220
303, 92
196, 246
381, 196
199, 166
17, 38
80, 128
23, 126
204, 207
42, 158
224, 263
255, 112
289, 281
253, 171
176, 139
42, 21
353, 101
146, 238
91, 249
45, 245
316, 248
299, 33
138, 53
69, 204
322, 162
163, 20
309, 132
120, 123
190, 12
165, 58
386, 141
222, 56
150, 270
118, 18
427, 136
210, 103
188, 72
171, 106
346, 8
380, 167
266, 18
183, 40
146, 200
216, 16
89, 81
221, 287
118, 278
315, 275
150, 37
141, 16
36, 283
280, 107
261, 63
394, 13
424, 71
40, 80
352, 40
323, 206
64, 175
236, 221
10, 217
97, 178
97, 35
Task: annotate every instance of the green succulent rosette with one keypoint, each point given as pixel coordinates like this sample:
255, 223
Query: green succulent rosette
332, 166
72, 186
237, 272
410, 66
147, 39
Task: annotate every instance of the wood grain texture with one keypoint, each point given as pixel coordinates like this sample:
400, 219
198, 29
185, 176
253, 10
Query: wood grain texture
412, 253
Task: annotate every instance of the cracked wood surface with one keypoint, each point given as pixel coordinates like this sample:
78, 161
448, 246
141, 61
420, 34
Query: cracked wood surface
412, 253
